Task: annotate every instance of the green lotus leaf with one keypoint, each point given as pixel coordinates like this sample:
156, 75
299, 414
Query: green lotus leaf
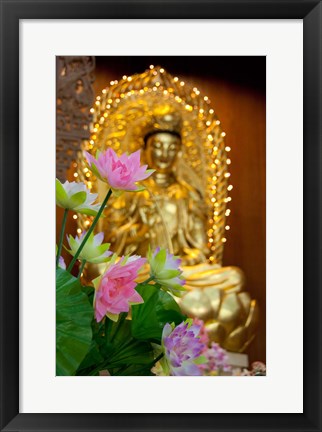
149, 318
124, 353
114, 349
74, 315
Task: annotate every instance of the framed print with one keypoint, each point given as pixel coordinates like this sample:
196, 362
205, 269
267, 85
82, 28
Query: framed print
185, 138
185, 208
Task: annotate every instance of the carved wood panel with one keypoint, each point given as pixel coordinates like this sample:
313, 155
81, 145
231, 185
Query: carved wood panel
74, 98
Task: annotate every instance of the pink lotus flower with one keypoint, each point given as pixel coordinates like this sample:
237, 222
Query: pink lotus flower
120, 173
217, 360
114, 290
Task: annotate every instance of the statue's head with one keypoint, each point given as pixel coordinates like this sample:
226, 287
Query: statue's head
161, 150
163, 139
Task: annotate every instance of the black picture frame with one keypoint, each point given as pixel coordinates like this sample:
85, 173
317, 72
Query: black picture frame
11, 12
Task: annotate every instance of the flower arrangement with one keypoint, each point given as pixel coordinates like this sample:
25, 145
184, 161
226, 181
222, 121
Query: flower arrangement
117, 326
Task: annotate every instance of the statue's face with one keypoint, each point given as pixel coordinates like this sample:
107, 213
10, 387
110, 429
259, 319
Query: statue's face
161, 151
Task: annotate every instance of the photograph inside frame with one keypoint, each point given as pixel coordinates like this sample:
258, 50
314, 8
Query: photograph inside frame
161, 216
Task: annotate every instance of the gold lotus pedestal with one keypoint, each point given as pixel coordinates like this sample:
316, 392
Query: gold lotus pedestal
184, 206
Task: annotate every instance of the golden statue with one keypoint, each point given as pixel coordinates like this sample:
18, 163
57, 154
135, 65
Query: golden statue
184, 205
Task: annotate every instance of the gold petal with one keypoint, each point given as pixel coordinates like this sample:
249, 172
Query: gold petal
230, 312
216, 331
196, 304
214, 294
253, 319
245, 300
236, 340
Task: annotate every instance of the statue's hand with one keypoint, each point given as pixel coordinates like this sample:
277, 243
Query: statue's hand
148, 215
193, 256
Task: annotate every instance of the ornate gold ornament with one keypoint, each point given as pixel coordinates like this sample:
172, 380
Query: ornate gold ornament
184, 206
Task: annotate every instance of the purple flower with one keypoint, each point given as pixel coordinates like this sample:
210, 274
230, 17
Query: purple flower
182, 349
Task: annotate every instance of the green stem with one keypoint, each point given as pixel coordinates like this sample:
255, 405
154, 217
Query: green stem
61, 238
148, 280
81, 269
118, 325
89, 232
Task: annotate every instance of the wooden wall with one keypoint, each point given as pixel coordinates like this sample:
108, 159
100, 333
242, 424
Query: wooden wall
237, 89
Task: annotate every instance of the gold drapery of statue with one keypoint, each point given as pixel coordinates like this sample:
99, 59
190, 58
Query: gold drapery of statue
184, 206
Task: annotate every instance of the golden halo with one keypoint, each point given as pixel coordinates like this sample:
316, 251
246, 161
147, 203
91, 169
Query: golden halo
128, 109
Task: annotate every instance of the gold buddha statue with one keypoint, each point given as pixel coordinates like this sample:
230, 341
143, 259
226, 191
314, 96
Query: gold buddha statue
175, 211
